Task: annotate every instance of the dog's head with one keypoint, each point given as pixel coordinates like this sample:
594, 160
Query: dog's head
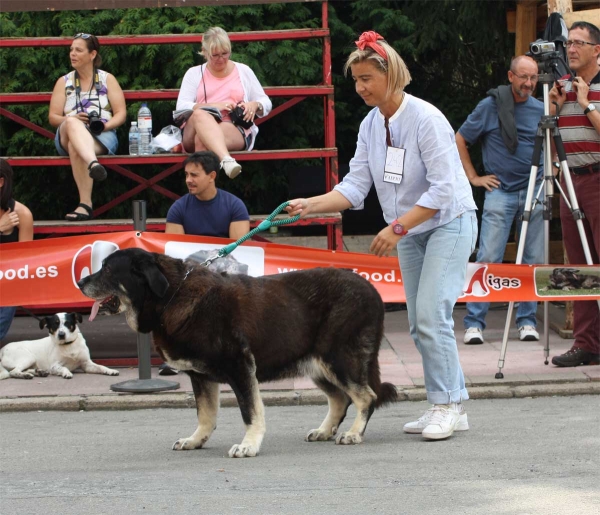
561, 277
124, 283
62, 327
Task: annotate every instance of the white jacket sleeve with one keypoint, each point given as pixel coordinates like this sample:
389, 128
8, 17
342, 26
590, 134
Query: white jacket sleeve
189, 87
253, 90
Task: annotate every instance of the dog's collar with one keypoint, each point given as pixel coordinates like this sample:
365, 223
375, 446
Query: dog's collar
72, 341
175, 292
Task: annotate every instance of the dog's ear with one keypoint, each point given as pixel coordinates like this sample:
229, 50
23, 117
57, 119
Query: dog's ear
77, 316
43, 322
156, 280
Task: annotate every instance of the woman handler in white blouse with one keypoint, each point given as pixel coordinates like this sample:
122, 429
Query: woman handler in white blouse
223, 84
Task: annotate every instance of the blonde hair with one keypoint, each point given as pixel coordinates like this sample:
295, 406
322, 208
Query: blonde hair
398, 76
212, 39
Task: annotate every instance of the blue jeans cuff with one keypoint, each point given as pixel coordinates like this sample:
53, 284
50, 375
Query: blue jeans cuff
458, 395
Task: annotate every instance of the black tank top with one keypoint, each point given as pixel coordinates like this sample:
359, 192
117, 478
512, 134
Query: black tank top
13, 237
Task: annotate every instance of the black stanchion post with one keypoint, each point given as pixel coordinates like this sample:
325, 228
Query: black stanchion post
144, 342
145, 384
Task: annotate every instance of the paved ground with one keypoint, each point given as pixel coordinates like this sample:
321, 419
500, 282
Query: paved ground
520, 456
524, 370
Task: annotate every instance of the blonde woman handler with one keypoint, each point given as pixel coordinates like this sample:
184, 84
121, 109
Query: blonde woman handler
406, 148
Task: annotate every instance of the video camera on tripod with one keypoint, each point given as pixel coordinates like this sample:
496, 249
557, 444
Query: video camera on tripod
541, 48
550, 60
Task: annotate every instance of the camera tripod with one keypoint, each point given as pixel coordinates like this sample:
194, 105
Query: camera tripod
547, 128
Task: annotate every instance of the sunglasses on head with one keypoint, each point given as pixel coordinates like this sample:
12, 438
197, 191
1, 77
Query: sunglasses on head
82, 35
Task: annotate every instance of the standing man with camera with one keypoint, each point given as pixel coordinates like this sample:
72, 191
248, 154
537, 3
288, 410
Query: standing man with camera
578, 100
506, 124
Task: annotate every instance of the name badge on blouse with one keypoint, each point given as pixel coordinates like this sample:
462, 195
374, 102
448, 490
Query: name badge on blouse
394, 165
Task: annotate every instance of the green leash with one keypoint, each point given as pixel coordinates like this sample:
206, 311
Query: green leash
263, 226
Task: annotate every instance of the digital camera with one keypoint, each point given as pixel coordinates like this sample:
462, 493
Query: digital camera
237, 117
95, 123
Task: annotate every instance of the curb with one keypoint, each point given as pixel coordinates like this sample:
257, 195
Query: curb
283, 398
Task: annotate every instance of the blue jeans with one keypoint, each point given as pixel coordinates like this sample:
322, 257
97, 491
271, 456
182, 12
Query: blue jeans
433, 266
6, 317
499, 210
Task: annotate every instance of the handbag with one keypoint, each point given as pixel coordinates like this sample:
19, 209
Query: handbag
181, 116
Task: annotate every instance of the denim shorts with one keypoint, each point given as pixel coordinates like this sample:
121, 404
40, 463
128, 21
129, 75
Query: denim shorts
108, 139
247, 138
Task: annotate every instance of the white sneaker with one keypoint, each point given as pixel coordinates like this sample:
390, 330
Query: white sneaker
527, 333
473, 336
418, 426
231, 167
442, 423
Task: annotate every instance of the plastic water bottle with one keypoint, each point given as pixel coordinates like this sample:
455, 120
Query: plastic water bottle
145, 126
134, 139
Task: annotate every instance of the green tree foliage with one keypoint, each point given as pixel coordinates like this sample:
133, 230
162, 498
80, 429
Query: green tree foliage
455, 49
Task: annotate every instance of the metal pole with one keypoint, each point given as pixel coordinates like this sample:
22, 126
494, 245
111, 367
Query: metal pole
144, 342
145, 384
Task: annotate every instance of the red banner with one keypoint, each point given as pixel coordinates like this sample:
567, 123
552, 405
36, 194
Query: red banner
45, 272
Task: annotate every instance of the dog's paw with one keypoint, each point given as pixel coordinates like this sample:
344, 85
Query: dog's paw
25, 375
316, 435
243, 451
112, 372
187, 444
348, 439
42, 373
67, 375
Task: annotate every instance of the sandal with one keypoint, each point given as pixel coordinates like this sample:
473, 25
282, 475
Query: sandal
74, 216
97, 171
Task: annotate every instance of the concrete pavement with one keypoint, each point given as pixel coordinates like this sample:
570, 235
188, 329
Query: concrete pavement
520, 457
525, 373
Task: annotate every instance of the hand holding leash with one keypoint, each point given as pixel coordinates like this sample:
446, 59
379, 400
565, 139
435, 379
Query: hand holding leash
298, 206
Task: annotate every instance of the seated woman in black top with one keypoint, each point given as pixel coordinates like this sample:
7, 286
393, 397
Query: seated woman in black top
16, 224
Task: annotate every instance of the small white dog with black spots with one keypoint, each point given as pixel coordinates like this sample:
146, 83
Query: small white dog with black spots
59, 353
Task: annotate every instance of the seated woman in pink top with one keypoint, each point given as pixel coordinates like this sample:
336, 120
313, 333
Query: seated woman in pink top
223, 84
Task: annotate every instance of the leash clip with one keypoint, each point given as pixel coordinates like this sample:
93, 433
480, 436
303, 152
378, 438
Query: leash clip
208, 261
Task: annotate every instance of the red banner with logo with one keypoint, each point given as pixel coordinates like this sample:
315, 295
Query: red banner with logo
45, 272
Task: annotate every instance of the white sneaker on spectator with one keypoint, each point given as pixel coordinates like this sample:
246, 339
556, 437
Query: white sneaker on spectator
443, 422
473, 336
527, 333
231, 167
418, 426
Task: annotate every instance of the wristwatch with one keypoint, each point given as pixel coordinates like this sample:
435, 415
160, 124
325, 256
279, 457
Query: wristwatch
399, 229
589, 109
259, 108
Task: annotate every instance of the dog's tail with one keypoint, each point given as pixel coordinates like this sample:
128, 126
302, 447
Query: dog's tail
386, 392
